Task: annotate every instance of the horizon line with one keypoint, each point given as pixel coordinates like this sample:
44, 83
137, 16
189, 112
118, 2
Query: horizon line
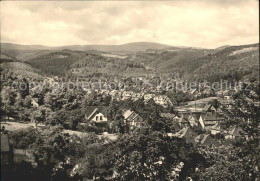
178, 46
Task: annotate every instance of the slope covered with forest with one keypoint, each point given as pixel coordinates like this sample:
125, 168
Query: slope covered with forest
228, 62
235, 62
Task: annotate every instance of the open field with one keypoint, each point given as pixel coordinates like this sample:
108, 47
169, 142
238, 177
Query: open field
12, 126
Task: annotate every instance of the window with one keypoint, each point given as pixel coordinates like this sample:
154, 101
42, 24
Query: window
96, 118
101, 118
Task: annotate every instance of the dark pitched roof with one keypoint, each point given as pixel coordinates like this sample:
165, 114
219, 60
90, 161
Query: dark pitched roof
176, 127
131, 116
5, 147
197, 115
212, 117
167, 115
235, 131
184, 119
188, 134
207, 140
227, 142
199, 138
207, 107
93, 110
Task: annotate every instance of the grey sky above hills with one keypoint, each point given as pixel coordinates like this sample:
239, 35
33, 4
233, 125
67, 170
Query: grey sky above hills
207, 24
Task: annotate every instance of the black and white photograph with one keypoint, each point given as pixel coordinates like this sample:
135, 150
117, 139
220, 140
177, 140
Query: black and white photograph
139, 90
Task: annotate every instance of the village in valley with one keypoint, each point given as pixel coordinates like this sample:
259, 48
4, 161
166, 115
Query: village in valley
130, 91
200, 116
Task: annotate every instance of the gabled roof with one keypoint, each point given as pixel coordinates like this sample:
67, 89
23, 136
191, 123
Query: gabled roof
207, 107
196, 114
5, 147
176, 127
193, 116
182, 132
211, 117
193, 91
186, 132
235, 131
164, 97
130, 115
199, 138
183, 119
193, 120
206, 139
92, 111
217, 127
127, 113
227, 142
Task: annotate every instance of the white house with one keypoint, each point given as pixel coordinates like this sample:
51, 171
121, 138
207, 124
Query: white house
163, 100
97, 116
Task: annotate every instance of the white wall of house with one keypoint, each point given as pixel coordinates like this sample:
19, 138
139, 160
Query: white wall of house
99, 117
201, 121
192, 121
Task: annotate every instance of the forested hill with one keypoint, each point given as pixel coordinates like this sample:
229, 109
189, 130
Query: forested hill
234, 62
228, 62
9, 65
5, 58
231, 62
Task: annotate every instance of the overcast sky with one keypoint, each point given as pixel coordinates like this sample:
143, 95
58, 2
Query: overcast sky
205, 23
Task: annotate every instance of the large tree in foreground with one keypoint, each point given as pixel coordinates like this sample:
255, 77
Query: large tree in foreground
152, 155
8, 96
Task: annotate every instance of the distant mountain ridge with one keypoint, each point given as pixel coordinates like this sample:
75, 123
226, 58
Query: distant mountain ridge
226, 62
223, 47
128, 47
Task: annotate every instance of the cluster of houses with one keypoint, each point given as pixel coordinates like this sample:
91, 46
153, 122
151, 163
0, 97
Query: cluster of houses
98, 117
207, 118
162, 100
200, 113
206, 139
